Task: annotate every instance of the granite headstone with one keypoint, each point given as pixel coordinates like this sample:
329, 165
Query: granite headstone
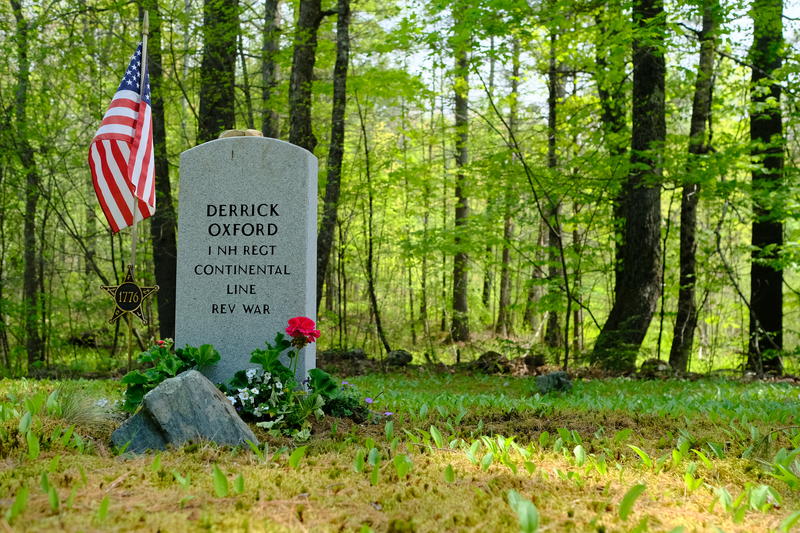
247, 227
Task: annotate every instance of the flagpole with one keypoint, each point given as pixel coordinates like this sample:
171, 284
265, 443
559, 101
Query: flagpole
135, 200
145, 33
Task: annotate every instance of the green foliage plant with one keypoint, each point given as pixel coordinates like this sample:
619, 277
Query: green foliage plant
270, 395
18, 506
527, 513
296, 456
340, 400
102, 510
402, 465
259, 395
269, 358
71, 405
790, 521
220, 482
630, 497
164, 363
786, 467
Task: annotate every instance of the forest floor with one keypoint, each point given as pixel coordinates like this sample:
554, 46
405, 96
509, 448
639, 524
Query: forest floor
457, 453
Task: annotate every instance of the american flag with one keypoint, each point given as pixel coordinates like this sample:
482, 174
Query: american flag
121, 153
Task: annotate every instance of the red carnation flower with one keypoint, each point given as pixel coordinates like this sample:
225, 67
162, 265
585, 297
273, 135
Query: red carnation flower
302, 330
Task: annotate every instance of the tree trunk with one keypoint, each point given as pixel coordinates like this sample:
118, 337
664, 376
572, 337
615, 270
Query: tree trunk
303, 59
504, 324
553, 336
44, 297
459, 325
90, 229
488, 269
30, 286
610, 75
686, 317
248, 101
535, 284
637, 290
342, 275
218, 68
504, 319
5, 351
766, 135
373, 299
336, 148
426, 202
577, 336
270, 121
407, 229
163, 225
444, 304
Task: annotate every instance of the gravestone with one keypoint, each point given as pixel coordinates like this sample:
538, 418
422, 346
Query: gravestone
247, 243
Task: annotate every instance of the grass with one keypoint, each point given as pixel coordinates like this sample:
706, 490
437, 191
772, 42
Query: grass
459, 453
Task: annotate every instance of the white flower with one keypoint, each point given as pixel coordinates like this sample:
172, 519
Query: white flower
102, 402
278, 385
231, 399
251, 373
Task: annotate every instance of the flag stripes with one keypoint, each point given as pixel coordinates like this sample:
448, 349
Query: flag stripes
121, 153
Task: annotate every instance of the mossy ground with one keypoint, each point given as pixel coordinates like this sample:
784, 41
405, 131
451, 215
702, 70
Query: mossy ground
737, 429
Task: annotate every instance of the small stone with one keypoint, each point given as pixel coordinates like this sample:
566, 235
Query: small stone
655, 368
554, 381
399, 358
492, 362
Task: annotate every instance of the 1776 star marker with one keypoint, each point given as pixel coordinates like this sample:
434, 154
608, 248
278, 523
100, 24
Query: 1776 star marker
128, 296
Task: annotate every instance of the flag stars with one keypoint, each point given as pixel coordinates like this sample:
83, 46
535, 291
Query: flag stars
134, 74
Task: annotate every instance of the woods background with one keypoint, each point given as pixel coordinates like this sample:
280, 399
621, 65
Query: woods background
593, 181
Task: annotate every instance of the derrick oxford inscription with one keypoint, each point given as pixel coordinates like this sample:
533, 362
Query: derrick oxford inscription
247, 245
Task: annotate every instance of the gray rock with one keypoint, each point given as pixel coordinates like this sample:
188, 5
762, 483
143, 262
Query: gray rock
186, 408
356, 354
655, 368
399, 358
535, 360
554, 381
492, 362
189, 407
140, 433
